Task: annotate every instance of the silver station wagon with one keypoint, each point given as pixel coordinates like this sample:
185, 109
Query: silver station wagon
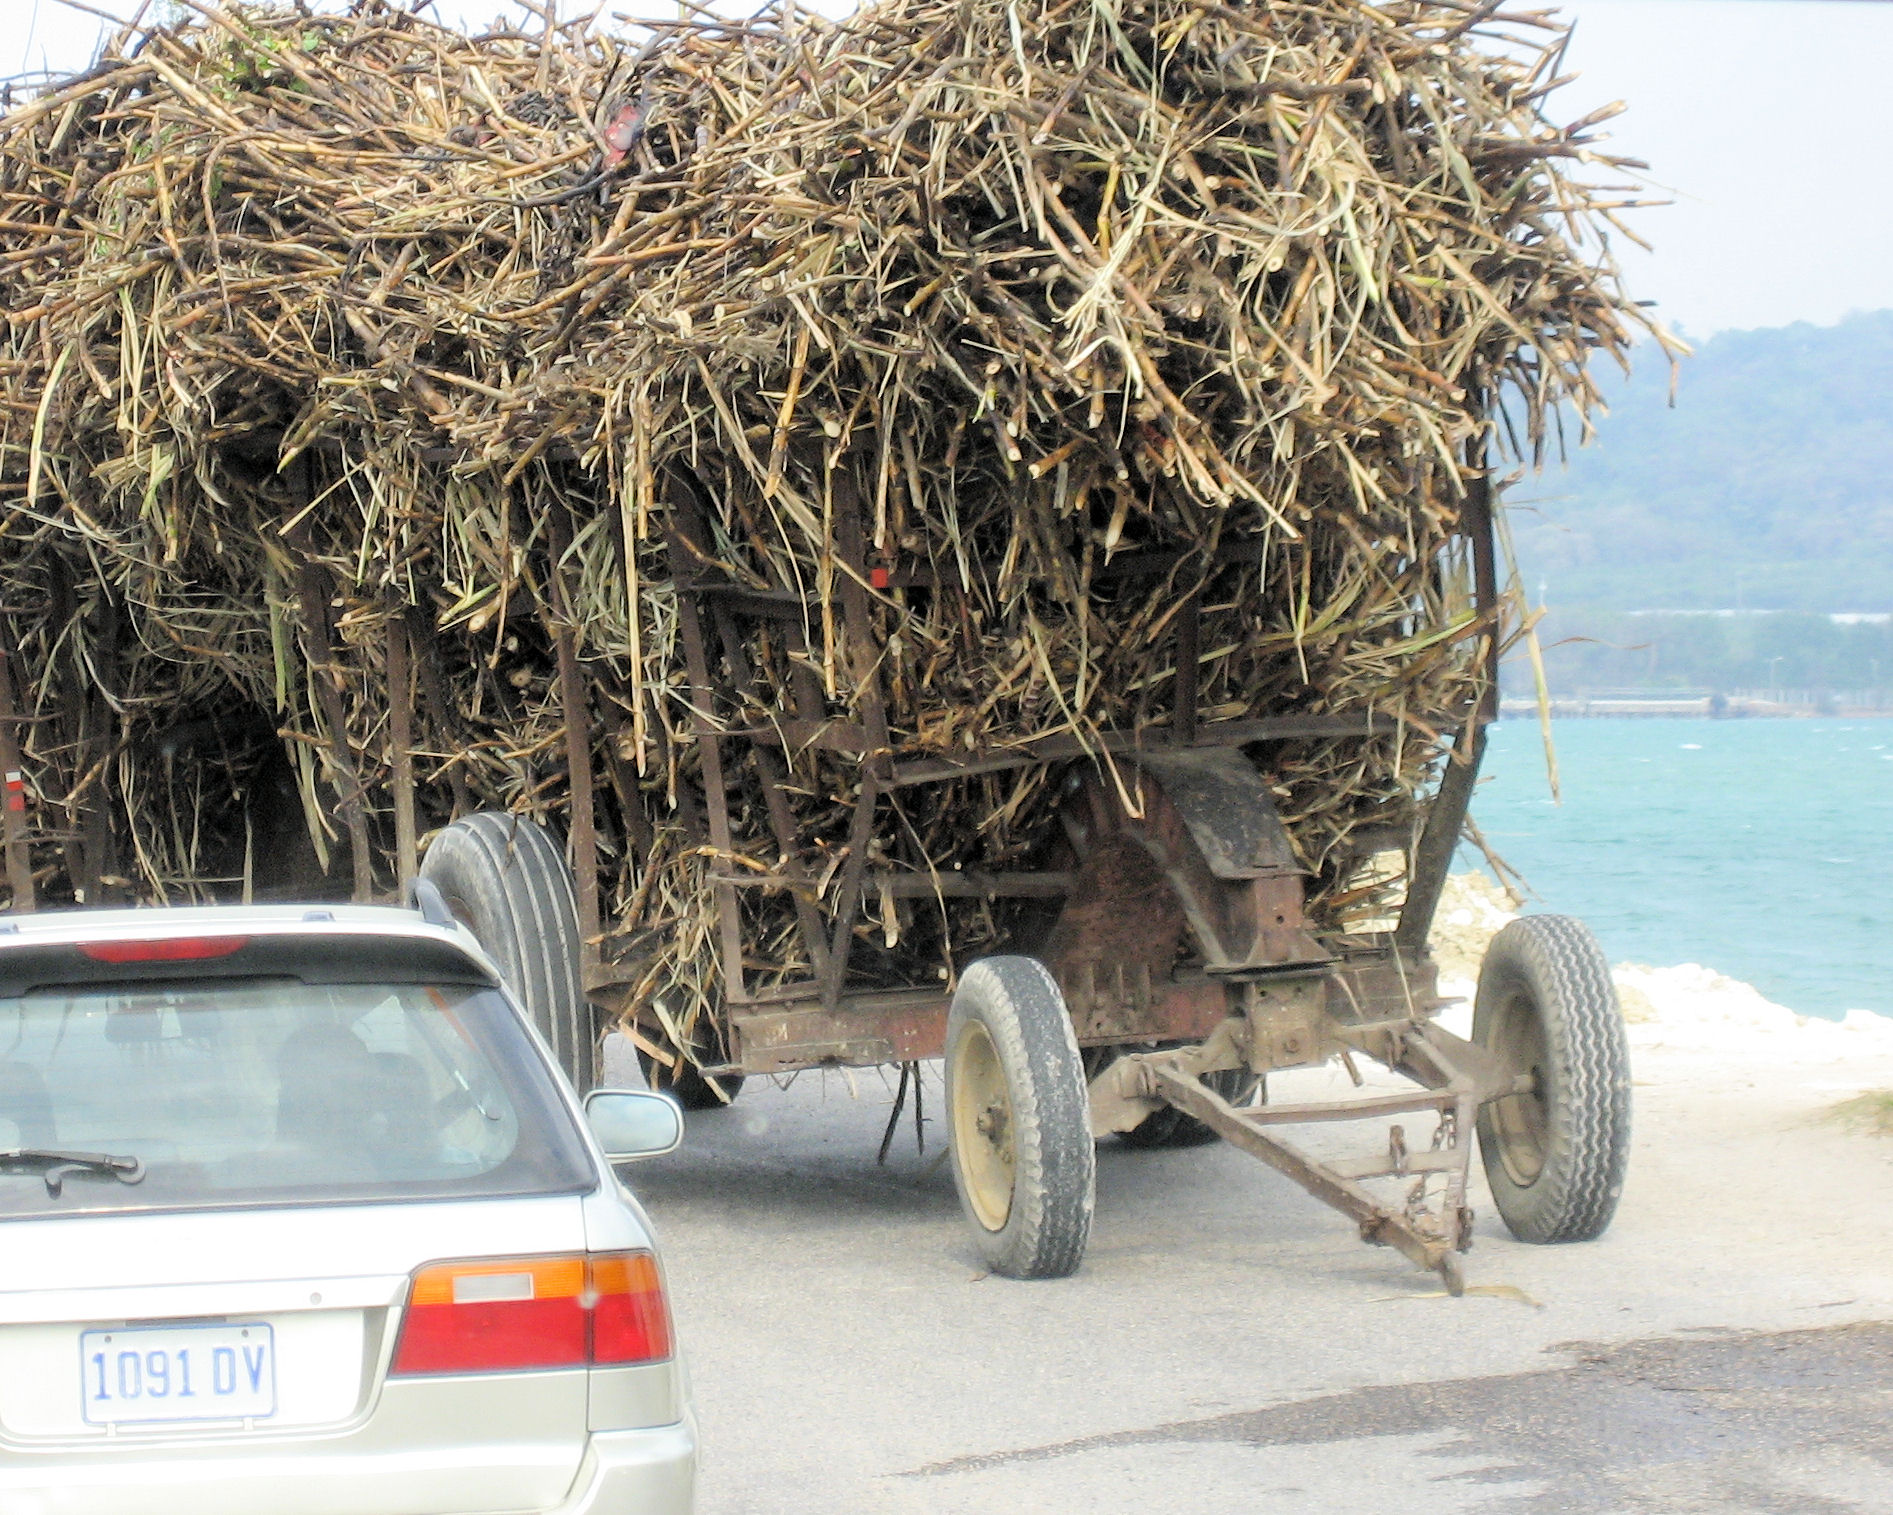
297, 1218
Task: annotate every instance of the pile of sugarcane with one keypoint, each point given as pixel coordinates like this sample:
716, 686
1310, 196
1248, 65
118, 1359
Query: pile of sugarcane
360, 377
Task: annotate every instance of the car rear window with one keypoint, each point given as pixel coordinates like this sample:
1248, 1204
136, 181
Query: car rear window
237, 1092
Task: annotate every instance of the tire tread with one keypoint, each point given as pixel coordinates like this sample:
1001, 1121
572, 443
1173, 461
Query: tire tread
1558, 961
1055, 1177
511, 874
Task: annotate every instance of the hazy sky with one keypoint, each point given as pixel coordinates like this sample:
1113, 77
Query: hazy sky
1765, 118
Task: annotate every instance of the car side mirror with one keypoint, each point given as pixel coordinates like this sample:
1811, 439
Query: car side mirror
632, 1123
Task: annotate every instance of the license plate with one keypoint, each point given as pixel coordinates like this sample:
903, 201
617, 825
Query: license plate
147, 1373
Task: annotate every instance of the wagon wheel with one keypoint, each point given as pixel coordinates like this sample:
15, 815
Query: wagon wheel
687, 1083
1023, 1157
1170, 1127
1555, 1155
505, 879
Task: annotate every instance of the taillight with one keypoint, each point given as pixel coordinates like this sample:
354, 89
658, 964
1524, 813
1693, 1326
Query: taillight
630, 1320
476, 1317
166, 949
534, 1312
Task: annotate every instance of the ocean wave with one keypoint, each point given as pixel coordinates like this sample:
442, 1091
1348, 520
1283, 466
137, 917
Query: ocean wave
1682, 1006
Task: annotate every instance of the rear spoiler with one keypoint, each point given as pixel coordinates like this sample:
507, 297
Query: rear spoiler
311, 957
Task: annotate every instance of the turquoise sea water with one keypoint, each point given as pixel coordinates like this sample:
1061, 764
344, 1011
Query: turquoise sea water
1761, 848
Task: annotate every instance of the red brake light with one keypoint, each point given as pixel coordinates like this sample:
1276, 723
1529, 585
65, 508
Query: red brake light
166, 949
534, 1312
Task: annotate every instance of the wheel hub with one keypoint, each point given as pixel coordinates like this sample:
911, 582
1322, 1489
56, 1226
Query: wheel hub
1521, 1120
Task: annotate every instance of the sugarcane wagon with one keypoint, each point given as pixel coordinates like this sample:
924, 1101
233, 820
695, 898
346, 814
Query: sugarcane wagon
964, 533
1158, 965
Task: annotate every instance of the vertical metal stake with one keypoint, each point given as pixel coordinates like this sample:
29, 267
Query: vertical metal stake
401, 755
576, 714
19, 857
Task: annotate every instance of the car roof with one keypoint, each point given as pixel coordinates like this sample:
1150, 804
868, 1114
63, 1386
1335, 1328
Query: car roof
323, 927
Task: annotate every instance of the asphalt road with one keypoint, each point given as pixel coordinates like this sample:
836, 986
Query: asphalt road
1230, 1344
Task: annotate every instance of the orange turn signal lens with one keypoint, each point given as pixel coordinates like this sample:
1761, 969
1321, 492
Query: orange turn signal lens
513, 1278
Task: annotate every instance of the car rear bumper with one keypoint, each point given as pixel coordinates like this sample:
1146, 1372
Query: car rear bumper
635, 1472
650, 1471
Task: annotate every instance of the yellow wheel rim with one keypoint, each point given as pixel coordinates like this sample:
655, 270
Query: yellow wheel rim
982, 1127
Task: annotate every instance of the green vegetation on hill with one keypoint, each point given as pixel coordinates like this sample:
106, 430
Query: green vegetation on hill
1769, 485
1589, 650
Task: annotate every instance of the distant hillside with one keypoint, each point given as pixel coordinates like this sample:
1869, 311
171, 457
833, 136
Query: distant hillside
1768, 486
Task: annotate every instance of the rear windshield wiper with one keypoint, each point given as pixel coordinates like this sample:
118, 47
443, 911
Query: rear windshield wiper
54, 1166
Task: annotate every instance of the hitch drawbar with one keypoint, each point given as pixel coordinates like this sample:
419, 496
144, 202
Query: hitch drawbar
1431, 1223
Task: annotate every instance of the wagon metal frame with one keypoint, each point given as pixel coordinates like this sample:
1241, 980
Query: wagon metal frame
1207, 852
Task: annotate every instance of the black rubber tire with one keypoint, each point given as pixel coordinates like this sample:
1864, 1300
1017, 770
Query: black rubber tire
506, 880
687, 1084
1015, 1005
1554, 1159
1169, 1128
691, 1088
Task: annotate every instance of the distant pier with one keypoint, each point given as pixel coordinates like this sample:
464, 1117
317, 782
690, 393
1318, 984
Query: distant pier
1706, 704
